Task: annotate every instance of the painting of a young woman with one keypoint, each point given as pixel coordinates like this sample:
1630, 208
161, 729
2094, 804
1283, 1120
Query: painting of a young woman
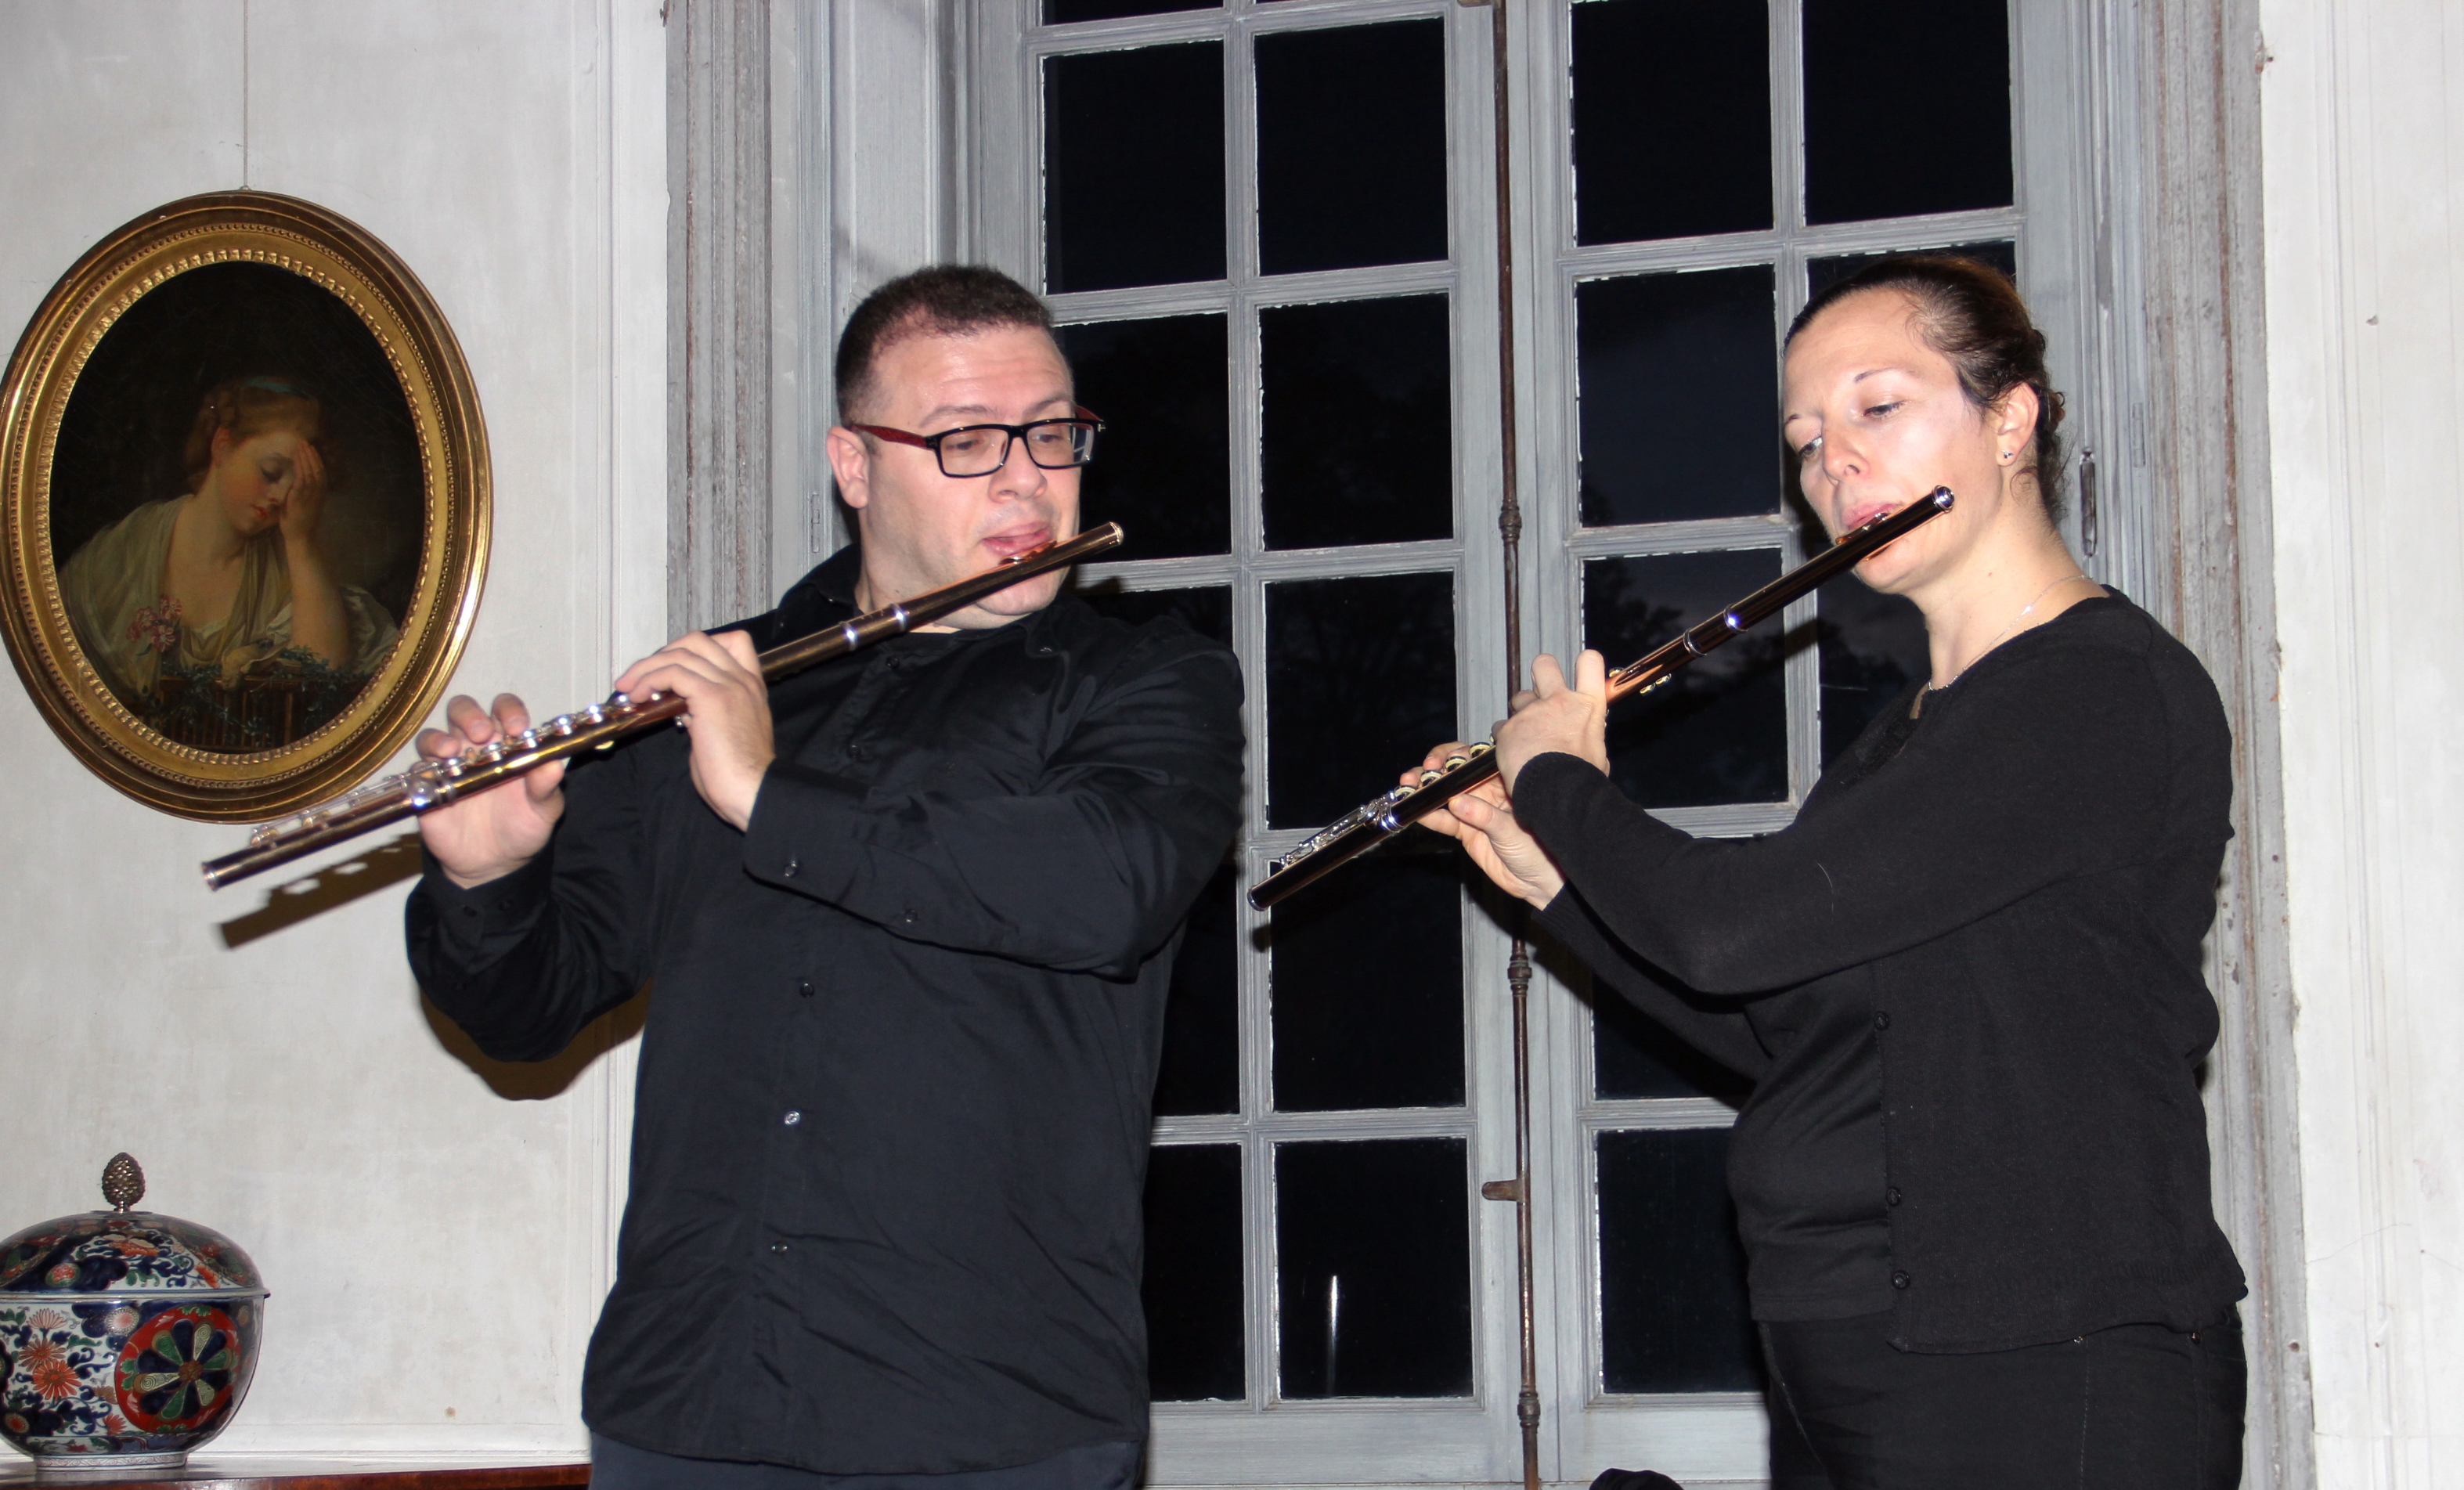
215, 616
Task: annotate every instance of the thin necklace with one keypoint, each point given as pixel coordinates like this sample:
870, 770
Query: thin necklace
2025, 611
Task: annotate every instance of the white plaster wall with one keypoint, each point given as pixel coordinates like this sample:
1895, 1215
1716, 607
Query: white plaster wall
436, 1251
2364, 109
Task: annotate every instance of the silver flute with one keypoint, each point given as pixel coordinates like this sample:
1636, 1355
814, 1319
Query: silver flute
1374, 822
437, 782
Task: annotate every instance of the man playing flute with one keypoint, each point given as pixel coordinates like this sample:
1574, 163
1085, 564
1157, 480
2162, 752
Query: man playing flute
909, 917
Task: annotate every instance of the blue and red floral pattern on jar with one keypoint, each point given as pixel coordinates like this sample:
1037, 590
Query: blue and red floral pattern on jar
177, 1370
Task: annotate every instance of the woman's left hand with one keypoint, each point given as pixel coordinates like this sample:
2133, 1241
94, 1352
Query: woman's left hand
303, 506
1557, 717
1483, 820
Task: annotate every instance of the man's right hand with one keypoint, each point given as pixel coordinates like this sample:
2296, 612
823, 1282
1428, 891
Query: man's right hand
490, 835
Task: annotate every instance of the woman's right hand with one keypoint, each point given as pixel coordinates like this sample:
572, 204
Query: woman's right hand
1483, 820
303, 498
490, 835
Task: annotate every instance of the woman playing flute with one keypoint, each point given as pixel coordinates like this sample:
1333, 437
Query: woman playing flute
1972, 1175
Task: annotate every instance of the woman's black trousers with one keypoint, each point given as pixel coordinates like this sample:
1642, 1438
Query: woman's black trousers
2138, 1407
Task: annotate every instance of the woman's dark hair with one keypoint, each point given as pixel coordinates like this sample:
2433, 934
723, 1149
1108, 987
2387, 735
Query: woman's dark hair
1972, 314
942, 300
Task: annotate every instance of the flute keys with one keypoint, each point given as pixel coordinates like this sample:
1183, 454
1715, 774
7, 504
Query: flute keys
561, 723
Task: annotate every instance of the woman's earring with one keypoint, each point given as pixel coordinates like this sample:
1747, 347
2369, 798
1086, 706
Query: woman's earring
2006, 457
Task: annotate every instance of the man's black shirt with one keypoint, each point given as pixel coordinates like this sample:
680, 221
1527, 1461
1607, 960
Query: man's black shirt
892, 1111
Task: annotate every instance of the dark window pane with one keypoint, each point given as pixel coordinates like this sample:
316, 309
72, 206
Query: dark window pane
1822, 274
1205, 609
1907, 108
1367, 986
1673, 1313
1872, 648
1680, 396
1163, 463
1672, 119
1352, 146
1134, 167
1060, 13
1360, 681
1193, 1278
1631, 1056
1357, 424
1718, 732
1374, 1253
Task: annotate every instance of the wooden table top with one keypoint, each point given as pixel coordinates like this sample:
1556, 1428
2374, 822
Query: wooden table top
205, 1472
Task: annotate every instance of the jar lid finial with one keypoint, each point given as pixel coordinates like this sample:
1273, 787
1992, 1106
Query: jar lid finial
123, 1183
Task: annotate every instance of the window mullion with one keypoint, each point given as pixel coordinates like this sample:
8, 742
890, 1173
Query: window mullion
1788, 151
1259, 1263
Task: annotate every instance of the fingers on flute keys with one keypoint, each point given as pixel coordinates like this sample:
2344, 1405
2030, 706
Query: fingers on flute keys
1444, 758
470, 726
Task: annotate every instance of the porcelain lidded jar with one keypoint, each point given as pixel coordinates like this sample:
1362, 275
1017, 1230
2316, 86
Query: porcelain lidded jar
127, 1339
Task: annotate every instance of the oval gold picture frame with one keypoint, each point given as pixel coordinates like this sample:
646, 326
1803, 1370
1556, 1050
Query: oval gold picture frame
230, 299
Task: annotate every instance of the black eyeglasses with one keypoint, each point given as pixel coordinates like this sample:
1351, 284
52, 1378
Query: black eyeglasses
981, 449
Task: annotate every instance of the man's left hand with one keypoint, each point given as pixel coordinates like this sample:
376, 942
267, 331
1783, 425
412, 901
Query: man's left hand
1557, 717
727, 709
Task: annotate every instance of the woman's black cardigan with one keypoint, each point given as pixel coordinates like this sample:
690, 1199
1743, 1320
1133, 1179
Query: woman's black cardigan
2023, 889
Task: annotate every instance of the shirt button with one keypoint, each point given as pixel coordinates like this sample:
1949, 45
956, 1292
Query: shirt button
1901, 1280
1891, 1196
1882, 1020
795, 866
907, 918
804, 990
792, 1118
780, 1247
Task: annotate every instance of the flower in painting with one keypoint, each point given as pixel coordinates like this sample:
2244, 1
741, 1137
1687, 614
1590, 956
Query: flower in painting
16, 1423
47, 1319
61, 1275
121, 1321
157, 626
48, 1369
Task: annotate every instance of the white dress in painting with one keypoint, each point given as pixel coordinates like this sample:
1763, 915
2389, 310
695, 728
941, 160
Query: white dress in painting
132, 632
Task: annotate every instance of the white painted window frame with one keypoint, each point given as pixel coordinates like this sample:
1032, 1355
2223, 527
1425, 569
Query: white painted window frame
1267, 1440
2060, 183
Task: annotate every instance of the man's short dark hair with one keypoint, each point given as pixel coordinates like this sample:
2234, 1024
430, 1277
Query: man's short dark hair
937, 300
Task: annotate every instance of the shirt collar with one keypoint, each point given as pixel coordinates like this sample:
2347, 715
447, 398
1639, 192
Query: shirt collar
825, 596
